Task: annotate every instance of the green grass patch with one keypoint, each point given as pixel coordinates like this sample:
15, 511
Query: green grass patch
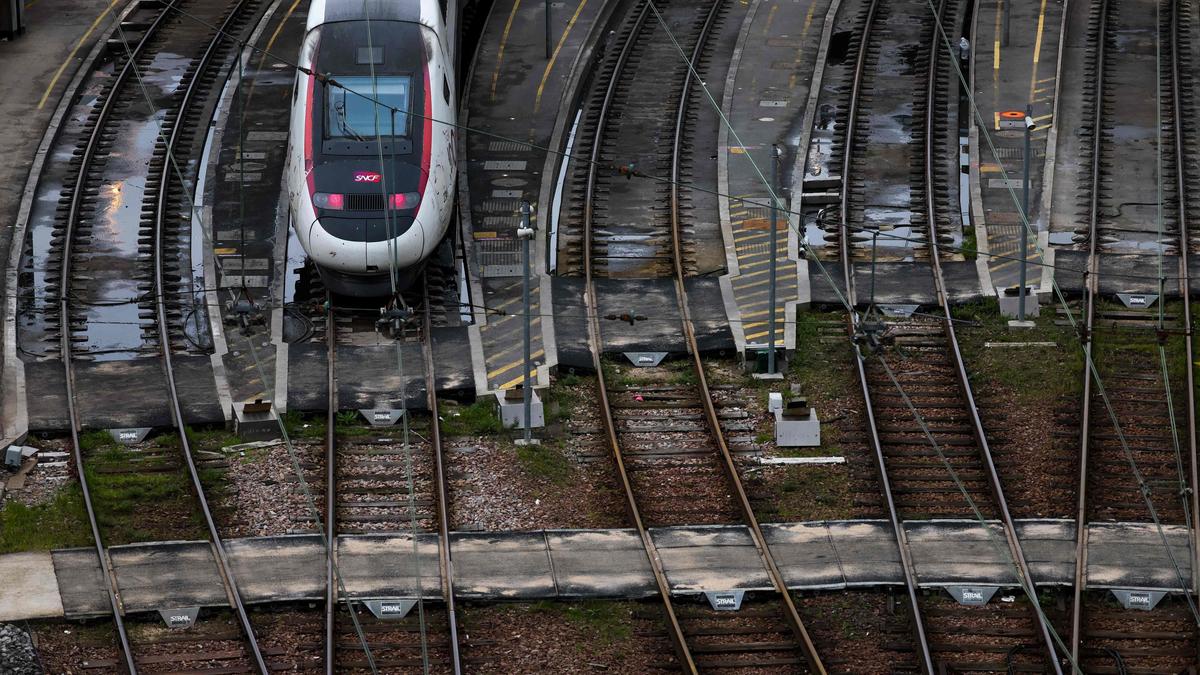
970, 243
824, 368
609, 621
478, 419
92, 440
212, 439
299, 425
150, 504
1038, 375
59, 523
544, 461
815, 492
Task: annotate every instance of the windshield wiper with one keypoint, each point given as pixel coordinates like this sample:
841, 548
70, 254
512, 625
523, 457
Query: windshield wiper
340, 108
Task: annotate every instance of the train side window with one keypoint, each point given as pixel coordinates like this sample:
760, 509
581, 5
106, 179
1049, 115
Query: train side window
446, 89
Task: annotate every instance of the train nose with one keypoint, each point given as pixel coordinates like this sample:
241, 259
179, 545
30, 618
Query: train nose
338, 245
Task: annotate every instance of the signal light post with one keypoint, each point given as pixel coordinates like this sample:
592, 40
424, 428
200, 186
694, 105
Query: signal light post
525, 234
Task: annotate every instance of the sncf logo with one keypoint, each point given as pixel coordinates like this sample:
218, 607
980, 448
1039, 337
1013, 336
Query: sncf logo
366, 177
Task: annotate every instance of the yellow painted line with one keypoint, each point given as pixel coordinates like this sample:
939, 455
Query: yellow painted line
485, 235
279, 28
537, 101
996, 56
755, 336
58, 73
997, 115
770, 20
989, 168
504, 369
518, 379
737, 150
1043, 117
780, 262
756, 235
228, 250
1037, 48
503, 41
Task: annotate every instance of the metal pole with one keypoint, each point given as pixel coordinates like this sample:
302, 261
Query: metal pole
547, 29
526, 233
1025, 210
774, 247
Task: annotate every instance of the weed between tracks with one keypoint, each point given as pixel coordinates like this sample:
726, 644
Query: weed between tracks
151, 502
59, 523
608, 620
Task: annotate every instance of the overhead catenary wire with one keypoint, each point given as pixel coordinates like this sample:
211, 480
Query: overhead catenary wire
187, 190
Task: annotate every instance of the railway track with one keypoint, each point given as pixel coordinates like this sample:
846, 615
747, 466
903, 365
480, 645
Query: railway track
84, 243
392, 486
929, 443
1138, 427
663, 429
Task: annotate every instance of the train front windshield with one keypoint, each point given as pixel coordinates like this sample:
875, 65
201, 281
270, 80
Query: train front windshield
362, 108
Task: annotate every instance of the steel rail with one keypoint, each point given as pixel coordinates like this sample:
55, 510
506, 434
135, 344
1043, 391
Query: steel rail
792, 615
1092, 287
1181, 165
852, 321
1025, 579
64, 300
675, 630
443, 499
331, 411
160, 226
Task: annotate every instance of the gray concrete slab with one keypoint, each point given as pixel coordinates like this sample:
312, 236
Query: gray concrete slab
867, 552
978, 554
367, 377
275, 569
506, 565
1132, 555
1118, 273
570, 323
165, 575
655, 299
382, 566
706, 307
714, 558
30, 589
81, 582
1049, 547
572, 564
600, 563
895, 283
806, 554
452, 360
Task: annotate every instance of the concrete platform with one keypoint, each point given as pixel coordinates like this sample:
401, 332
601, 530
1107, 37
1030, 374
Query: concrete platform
571, 564
765, 97
1122, 273
143, 388
1009, 71
897, 283
516, 92
655, 299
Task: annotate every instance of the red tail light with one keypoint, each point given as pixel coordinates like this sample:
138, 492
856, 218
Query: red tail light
404, 200
329, 200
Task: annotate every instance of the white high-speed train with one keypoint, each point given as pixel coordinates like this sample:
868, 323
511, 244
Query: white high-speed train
371, 163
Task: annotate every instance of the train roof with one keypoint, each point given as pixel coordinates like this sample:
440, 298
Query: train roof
332, 11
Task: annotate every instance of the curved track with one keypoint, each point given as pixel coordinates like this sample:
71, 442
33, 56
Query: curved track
930, 447
702, 639
1138, 430
126, 87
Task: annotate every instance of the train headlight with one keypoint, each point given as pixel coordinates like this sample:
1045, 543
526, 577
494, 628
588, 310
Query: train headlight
404, 200
329, 200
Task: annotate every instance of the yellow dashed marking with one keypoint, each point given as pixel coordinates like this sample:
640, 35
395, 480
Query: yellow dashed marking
503, 41
518, 379
537, 102
504, 369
